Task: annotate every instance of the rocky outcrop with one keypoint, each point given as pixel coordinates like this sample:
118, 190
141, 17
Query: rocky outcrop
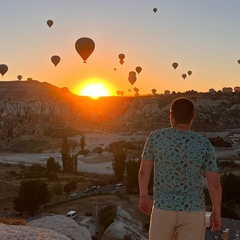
19, 232
63, 225
123, 226
56, 227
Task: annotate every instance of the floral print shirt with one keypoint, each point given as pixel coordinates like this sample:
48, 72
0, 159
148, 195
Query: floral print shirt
180, 157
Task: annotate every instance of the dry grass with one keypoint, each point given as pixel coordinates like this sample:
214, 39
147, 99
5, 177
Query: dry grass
13, 221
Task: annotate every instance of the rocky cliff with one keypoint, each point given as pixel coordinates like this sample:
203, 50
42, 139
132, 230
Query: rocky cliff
32, 107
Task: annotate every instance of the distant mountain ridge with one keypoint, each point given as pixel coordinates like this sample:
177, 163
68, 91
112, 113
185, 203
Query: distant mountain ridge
33, 107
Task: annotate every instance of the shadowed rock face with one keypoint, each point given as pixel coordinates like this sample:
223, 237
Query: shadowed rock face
57, 227
41, 108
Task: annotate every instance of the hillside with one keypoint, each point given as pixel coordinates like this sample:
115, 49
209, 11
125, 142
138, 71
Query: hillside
39, 108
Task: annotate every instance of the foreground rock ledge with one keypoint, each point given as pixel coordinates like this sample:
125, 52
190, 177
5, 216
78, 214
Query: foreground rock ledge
57, 227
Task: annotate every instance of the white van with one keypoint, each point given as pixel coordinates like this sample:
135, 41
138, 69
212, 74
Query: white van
72, 214
119, 186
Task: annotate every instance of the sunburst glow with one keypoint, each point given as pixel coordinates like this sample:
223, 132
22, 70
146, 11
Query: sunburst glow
95, 90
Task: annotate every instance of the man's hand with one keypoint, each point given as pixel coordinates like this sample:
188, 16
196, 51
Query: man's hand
145, 204
215, 221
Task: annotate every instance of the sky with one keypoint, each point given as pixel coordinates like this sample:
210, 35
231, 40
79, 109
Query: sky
201, 36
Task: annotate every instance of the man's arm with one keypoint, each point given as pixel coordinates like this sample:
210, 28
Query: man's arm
215, 192
144, 174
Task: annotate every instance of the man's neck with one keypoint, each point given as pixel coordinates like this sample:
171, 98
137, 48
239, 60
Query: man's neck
182, 127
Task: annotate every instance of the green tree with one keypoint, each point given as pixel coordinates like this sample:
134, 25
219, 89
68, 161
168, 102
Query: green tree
32, 194
57, 190
119, 160
67, 189
65, 154
132, 168
107, 216
52, 165
82, 141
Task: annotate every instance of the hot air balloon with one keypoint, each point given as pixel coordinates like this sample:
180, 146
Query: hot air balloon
238, 61
175, 65
129, 90
115, 69
136, 89
49, 23
64, 90
121, 56
154, 91
3, 69
19, 77
155, 10
132, 73
132, 79
85, 46
136, 94
138, 69
189, 73
184, 76
55, 60
29, 79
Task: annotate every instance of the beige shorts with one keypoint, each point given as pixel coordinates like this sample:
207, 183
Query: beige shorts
177, 225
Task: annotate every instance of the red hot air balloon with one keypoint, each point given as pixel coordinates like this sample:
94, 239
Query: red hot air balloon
49, 23
55, 60
3, 69
84, 46
154, 10
189, 73
138, 69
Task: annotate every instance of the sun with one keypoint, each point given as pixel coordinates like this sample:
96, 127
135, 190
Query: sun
95, 90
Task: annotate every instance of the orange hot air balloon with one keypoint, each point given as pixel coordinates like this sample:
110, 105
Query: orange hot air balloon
138, 69
19, 77
84, 46
154, 10
132, 79
132, 73
136, 89
189, 73
3, 69
115, 69
175, 65
121, 56
184, 76
55, 60
49, 23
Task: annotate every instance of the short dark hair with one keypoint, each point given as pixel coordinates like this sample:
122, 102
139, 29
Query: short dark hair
182, 110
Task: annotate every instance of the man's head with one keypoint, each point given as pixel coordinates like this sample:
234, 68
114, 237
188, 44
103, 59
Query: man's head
182, 110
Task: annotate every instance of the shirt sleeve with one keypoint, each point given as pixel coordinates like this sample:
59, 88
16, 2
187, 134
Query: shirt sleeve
210, 163
148, 150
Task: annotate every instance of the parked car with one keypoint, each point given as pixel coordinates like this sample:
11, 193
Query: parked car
72, 214
119, 186
86, 190
74, 194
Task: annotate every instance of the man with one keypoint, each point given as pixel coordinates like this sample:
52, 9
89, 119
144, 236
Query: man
180, 158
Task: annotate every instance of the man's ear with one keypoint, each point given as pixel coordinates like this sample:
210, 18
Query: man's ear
194, 115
